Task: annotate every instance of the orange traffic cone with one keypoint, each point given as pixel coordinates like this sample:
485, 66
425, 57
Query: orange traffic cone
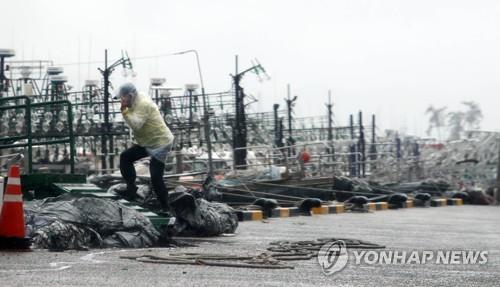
12, 228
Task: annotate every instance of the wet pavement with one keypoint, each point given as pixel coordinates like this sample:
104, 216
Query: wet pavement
440, 228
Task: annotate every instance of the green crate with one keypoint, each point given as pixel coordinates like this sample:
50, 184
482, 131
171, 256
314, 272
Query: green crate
41, 185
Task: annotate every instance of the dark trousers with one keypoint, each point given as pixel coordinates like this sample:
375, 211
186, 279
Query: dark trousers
156, 168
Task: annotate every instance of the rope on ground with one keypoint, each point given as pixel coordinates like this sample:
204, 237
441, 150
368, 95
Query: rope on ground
280, 251
261, 261
303, 248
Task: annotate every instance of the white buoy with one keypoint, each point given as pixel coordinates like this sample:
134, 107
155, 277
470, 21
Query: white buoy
6, 53
52, 71
91, 83
191, 87
165, 93
157, 81
25, 72
59, 79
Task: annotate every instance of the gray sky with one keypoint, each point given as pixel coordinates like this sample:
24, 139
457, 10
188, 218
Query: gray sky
392, 57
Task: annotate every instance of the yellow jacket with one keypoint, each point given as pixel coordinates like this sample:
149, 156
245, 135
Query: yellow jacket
146, 122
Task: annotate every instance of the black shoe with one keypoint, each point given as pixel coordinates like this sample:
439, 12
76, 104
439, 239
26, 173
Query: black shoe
131, 193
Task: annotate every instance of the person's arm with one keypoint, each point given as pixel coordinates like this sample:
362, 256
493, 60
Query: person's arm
137, 118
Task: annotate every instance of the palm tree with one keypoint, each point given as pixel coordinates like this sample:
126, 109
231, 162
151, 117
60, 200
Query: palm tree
455, 123
436, 119
473, 115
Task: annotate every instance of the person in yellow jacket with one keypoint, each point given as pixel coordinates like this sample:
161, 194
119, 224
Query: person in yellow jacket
153, 138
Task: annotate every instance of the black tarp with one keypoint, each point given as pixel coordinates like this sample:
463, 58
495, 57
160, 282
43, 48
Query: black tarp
199, 217
73, 221
80, 222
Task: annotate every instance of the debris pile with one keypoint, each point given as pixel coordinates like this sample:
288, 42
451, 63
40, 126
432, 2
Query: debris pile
469, 163
82, 222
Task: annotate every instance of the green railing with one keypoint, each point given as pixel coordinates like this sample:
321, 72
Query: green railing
27, 106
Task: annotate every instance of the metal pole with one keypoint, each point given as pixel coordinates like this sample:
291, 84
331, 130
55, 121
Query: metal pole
498, 174
72, 150
373, 148
29, 134
104, 148
362, 144
329, 107
398, 148
289, 102
289, 108
190, 117
398, 156
236, 126
206, 124
156, 97
330, 116
353, 157
239, 127
109, 125
179, 162
2, 76
280, 132
276, 125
